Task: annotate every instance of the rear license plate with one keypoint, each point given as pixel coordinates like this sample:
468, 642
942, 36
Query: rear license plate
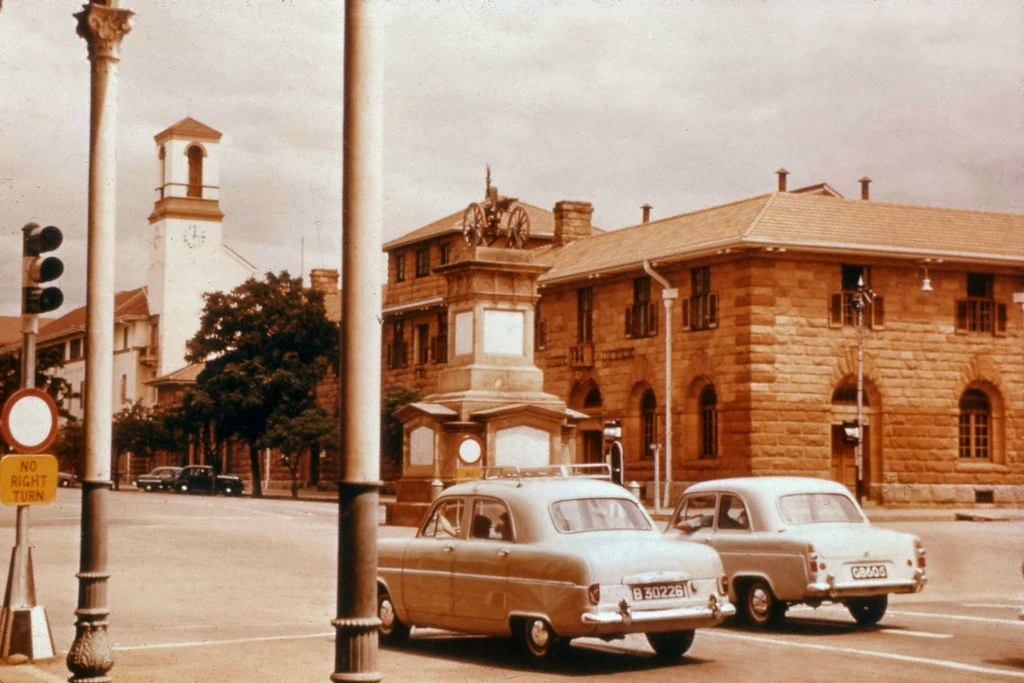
869, 571
658, 591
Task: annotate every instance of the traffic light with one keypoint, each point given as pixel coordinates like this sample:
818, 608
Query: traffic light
37, 270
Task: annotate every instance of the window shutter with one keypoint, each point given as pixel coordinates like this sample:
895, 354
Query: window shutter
835, 311
629, 322
1000, 326
387, 357
961, 316
713, 309
878, 313
686, 313
653, 313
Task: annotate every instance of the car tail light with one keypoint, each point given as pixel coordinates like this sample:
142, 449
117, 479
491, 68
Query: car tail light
723, 584
812, 560
919, 551
594, 593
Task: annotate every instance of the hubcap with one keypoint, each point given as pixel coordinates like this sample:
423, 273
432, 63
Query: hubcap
759, 602
387, 614
539, 634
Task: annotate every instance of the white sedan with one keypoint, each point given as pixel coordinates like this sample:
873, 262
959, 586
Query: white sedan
789, 540
545, 559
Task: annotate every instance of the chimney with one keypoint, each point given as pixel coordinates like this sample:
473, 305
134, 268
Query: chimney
323, 280
782, 179
647, 212
864, 182
572, 221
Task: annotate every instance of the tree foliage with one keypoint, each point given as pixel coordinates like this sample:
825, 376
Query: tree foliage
265, 345
298, 435
393, 398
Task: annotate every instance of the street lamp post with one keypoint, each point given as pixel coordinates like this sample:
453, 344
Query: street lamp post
861, 299
102, 25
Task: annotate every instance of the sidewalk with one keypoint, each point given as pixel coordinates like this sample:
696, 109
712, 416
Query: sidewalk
876, 513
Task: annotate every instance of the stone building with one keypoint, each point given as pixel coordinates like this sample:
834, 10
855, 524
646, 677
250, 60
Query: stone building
731, 340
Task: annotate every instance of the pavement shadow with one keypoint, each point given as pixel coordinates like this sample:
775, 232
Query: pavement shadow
586, 657
801, 626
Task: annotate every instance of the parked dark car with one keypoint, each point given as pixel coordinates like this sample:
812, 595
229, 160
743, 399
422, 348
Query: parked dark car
160, 479
65, 479
202, 479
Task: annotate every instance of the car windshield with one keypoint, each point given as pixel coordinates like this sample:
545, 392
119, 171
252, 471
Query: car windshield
598, 514
812, 508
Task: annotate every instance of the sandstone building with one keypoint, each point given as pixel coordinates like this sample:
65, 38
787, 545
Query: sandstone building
729, 338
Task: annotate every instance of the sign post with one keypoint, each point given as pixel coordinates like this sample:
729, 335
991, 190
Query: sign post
29, 425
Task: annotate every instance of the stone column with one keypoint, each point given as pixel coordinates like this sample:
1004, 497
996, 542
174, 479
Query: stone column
102, 25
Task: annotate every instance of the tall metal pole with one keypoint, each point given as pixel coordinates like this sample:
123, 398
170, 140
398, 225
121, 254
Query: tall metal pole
359, 485
858, 453
102, 25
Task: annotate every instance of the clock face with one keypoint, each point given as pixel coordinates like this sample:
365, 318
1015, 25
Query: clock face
470, 451
194, 236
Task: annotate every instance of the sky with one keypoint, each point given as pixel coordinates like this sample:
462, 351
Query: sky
681, 105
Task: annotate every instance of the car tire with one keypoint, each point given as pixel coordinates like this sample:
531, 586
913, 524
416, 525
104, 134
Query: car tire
759, 606
538, 640
392, 630
868, 611
182, 488
671, 645
228, 490
149, 488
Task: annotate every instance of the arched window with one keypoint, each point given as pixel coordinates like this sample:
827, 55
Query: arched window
648, 423
593, 399
975, 425
708, 422
195, 171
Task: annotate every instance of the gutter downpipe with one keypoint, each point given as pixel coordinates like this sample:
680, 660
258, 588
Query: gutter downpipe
668, 295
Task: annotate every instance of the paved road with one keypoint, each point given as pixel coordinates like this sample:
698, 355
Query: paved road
228, 589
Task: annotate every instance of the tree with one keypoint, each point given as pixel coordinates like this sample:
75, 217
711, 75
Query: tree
293, 436
139, 430
265, 345
46, 360
69, 446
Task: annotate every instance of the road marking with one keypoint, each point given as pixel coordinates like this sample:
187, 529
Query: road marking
989, 605
943, 663
233, 641
958, 617
919, 634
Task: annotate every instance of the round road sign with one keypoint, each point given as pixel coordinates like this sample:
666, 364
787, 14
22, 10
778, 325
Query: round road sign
29, 420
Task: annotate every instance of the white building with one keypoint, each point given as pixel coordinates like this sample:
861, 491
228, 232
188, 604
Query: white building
187, 258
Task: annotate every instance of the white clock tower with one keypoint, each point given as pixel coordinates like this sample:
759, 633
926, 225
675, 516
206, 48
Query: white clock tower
187, 253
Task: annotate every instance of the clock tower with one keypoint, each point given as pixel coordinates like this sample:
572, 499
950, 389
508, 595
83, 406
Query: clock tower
187, 253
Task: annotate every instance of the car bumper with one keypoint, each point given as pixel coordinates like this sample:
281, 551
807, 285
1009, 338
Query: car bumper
626, 620
830, 588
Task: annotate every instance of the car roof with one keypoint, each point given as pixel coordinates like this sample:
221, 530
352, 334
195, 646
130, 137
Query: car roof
771, 485
539, 490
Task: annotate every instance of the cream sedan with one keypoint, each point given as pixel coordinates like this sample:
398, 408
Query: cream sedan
545, 559
789, 540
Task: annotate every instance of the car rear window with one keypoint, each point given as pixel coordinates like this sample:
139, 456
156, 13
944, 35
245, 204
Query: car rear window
598, 514
812, 508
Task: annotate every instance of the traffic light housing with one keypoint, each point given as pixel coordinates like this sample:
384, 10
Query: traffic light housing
37, 270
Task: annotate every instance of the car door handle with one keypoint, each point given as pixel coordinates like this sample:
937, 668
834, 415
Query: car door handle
448, 548
503, 552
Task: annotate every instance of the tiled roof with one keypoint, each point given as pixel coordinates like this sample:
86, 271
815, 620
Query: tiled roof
10, 329
542, 224
185, 375
129, 304
189, 128
805, 221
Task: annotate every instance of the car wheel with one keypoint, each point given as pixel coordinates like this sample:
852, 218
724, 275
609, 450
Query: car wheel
64, 483
868, 611
183, 488
672, 645
759, 605
392, 630
228, 490
539, 641
149, 487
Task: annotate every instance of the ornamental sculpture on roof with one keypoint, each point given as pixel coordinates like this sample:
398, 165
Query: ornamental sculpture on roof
495, 218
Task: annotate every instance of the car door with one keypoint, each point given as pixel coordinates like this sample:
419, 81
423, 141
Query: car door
731, 536
480, 587
427, 569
